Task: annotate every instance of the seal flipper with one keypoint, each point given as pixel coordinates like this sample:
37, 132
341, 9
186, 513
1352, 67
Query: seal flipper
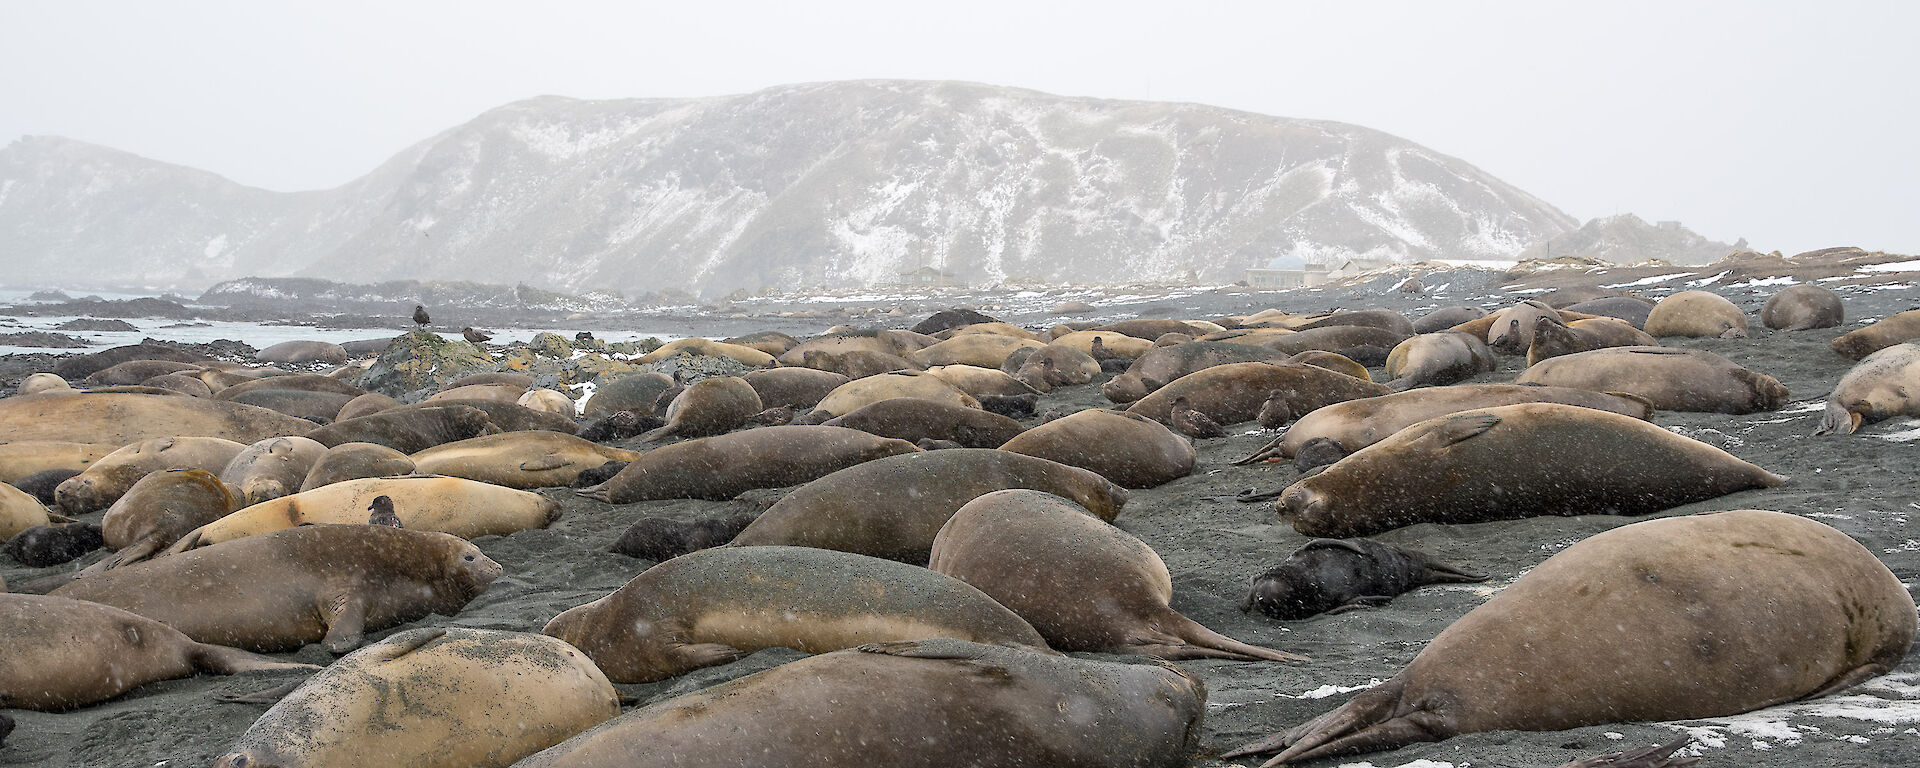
1363, 601
1849, 679
267, 697
920, 649
143, 549
221, 660
1179, 637
597, 493
544, 463
346, 620
1372, 721
1657, 756
1457, 428
1433, 572
1270, 451
694, 656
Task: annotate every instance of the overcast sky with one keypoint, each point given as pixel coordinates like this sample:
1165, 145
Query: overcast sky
1791, 124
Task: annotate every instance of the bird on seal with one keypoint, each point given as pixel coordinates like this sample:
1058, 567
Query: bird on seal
383, 514
475, 336
420, 317
1187, 421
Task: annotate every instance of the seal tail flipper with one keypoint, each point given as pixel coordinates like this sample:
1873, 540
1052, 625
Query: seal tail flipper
1194, 641
1269, 451
267, 697
1368, 723
1849, 679
1441, 573
1837, 420
1657, 756
143, 549
652, 435
597, 493
221, 660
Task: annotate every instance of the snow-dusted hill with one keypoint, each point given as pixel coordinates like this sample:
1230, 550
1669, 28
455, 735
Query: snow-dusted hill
829, 184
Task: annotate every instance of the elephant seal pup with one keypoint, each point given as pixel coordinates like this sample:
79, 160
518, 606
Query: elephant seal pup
1447, 317
22, 459
709, 407
519, 459
1884, 385
894, 507
462, 507
718, 605
64, 653
724, 466
1337, 575
160, 509
19, 511
272, 468
1729, 612
283, 589
1160, 365
1436, 359
439, 697
1129, 449
1696, 313
924, 703
1892, 330
44, 546
630, 392
1671, 379
41, 485
123, 418
845, 398
409, 430
1803, 307
1236, 392
799, 388
1084, 584
109, 478
354, 461
655, 537
1553, 339
1462, 468
913, 419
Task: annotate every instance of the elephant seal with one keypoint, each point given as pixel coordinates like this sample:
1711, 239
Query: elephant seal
462, 507
1129, 449
724, 466
1054, 366
1436, 359
1803, 307
1632, 309
438, 697
64, 653
638, 392
77, 367
982, 382
797, 388
134, 372
1510, 330
44, 546
508, 417
508, 378
181, 383
18, 512
283, 589
995, 327
619, 425
1894, 329
547, 401
41, 485
1446, 317
913, 419
948, 319
107, 479
1349, 340
1160, 365
1084, 584
656, 537
302, 353
1696, 313
1337, 575
717, 605
747, 356
22, 459
1670, 379
354, 461
302, 382
856, 363
1884, 385
366, 405
1553, 339
845, 398
272, 468
921, 703
1332, 361
499, 393
1117, 345
1236, 392
1385, 319
894, 507
770, 342
120, 419
408, 430
987, 350
37, 383
1729, 612
1151, 328
160, 509
519, 459
1462, 468
709, 407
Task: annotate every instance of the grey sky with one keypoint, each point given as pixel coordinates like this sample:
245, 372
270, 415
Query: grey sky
1790, 124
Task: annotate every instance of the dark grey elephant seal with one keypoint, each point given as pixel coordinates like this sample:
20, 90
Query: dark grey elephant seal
353, 461
915, 419
1729, 612
43, 546
1803, 307
1447, 317
408, 430
925, 703
1669, 378
1084, 584
638, 392
135, 371
655, 537
799, 388
723, 466
717, 605
1336, 575
1632, 309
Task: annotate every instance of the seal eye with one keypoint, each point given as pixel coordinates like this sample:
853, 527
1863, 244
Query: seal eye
469, 558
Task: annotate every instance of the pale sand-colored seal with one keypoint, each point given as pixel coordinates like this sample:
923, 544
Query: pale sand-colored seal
1126, 448
981, 382
1802, 307
63, 653
302, 352
894, 507
708, 348
1054, 366
926, 703
995, 327
1161, 365
872, 389
718, 605
408, 429
121, 419
519, 459
709, 407
1501, 463
1437, 359
986, 350
499, 393
857, 364
42, 382
366, 405
1447, 317
1884, 385
1509, 331
103, 482
1118, 343
19, 511
1151, 328
306, 382
181, 383
770, 342
1696, 313
1234, 393
1332, 361
913, 419
354, 461
462, 507
160, 509
272, 468
1553, 339
135, 371
1894, 329
548, 400
1681, 618
1670, 379
1084, 584
800, 388
283, 589
438, 697
25, 458
1385, 319
724, 466
893, 343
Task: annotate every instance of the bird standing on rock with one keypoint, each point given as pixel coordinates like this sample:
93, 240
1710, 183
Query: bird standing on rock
1192, 423
420, 316
475, 336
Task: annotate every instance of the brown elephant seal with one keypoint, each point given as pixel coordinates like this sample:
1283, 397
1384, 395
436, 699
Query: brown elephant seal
709, 407
160, 509
499, 393
923, 703
281, 590
303, 382
1349, 340
630, 392
1332, 361
1553, 339
354, 461
509, 417
110, 477
1697, 313
1884, 385
508, 378
1729, 612
366, 405
913, 419
1127, 448
121, 419
38, 383
134, 372
724, 466
770, 342
1084, 584
1892, 330
1446, 317
181, 383
798, 388
1437, 359
1151, 328
982, 382
272, 468
1462, 468
547, 401
856, 363
717, 605
44, 546
1632, 309
658, 537
1803, 307
995, 327
438, 697
19, 511
1117, 345
1336, 575
848, 397
987, 350
1054, 366
747, 356
1161, 365
1670, 379
408, 430
64, 653
302, 353
465, 508
78, 367
894, 507
1236, 392
1385, 319
519, 459
21, 459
